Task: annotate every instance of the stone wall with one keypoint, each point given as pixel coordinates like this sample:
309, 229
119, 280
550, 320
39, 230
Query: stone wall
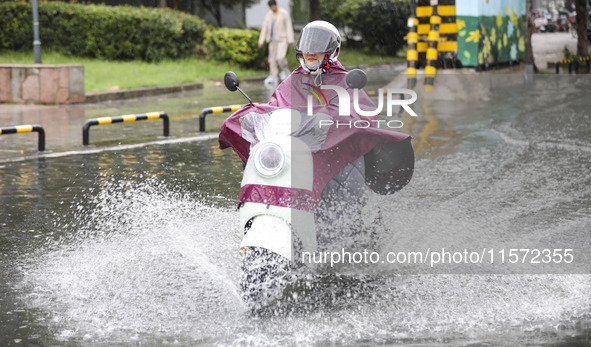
42, 83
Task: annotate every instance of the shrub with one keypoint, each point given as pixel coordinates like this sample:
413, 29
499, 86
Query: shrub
107, 32
236, 46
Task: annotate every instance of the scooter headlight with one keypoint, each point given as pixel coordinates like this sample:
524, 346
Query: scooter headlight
269, 159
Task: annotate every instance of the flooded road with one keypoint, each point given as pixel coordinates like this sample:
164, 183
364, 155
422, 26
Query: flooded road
135, 240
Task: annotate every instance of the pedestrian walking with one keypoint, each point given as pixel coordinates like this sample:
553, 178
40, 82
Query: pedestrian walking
278, 31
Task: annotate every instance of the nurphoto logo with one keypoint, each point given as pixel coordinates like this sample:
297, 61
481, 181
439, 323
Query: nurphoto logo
345, 106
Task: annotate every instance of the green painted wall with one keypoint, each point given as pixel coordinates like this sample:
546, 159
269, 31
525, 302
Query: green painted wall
490, 31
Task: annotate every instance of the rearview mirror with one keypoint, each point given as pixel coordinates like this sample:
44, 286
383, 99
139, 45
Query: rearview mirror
356, 79
231, 81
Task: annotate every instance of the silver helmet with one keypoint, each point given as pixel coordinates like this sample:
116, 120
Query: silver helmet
318, 37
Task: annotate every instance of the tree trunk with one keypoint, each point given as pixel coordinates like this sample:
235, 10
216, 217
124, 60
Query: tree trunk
217, 12
161, 3
581, 8
530, 28
214, 8
314, 10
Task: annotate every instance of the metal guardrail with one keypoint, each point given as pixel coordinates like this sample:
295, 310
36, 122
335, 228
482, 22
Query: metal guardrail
122, 119
27, 129
574, 63
219, 109
119, 119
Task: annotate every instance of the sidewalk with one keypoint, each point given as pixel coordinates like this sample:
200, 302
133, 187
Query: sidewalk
549, 48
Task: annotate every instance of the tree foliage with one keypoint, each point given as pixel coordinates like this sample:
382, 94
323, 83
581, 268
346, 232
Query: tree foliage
380, 23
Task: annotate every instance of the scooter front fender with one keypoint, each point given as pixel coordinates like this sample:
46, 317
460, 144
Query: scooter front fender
276, 228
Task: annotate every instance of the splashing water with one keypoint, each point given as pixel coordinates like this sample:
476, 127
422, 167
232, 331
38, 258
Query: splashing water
150, 264
144, 260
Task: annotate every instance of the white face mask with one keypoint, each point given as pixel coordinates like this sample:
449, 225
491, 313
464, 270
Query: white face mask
315, 65
314, 68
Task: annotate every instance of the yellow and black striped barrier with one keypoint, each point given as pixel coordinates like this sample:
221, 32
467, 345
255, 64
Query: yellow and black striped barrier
447, 45
433, 39
412, 40
574, 62
446, 10
448, 30
122, 119
19, 129
218, 109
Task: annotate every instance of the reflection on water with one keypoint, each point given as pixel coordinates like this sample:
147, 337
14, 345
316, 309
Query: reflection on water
139, 244
434, 135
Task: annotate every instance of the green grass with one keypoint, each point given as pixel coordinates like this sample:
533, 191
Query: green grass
101, 75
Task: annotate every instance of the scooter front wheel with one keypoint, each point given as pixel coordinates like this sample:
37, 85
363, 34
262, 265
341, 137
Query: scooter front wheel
265, 275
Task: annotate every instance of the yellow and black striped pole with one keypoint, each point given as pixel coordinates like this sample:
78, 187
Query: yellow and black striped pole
218, 109
122, 119
447, 47
412, 40
432, 48
19, 129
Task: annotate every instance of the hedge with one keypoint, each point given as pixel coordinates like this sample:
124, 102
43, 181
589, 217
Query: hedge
236, 46
99, 31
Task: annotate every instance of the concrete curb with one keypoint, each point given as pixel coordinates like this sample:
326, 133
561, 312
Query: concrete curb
139, 92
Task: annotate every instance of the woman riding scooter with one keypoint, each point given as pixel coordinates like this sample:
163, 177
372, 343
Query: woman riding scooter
309, 165
338, 215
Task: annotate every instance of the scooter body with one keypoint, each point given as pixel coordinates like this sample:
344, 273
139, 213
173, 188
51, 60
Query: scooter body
278, 165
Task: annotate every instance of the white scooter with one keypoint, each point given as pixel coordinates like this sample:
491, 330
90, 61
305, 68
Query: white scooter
295, 173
